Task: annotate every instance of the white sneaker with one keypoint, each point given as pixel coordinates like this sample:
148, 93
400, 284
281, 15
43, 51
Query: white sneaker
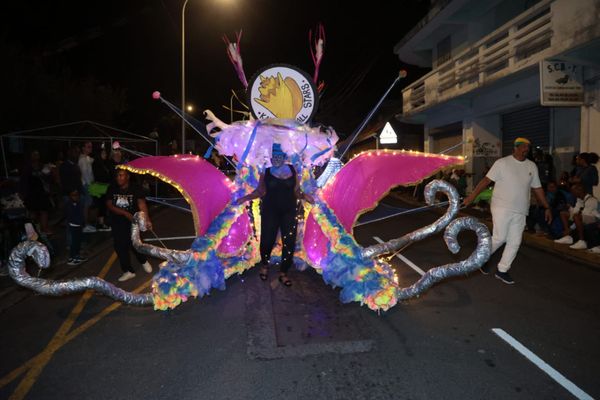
147, 267
89, 229
126, 276
579, 245
564, 240
595, 250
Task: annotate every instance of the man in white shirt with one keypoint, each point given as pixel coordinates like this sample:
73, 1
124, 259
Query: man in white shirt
514, 177
87, 177
585, 212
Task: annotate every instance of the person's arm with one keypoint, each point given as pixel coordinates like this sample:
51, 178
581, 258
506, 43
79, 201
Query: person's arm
260, 191
118, 211
484, 183
144, 208
541, 199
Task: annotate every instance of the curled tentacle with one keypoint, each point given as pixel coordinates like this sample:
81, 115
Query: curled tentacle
479, 256
39, 252
174, 256
430, 191
333, 167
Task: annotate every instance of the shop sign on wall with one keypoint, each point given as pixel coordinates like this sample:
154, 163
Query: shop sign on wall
561, 83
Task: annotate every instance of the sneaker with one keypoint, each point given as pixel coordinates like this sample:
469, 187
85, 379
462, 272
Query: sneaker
504, 277
147, 267
595, 249
126, 276
103, 228
73, 261
564, 240
89, 229
485, 268
579, 245
81, 259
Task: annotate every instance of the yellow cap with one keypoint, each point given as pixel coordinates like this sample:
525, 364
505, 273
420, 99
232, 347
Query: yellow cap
521, 140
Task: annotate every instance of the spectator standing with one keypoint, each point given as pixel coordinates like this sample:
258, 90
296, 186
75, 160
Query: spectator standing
103, 175
34, 190
116, 158
514, 177
70, 178
123, 200
75, 222
545, 167
87, 177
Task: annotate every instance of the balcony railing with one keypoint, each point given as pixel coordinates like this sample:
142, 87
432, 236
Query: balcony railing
518, 44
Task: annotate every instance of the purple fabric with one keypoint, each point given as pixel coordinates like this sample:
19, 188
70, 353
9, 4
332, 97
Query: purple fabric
206, 188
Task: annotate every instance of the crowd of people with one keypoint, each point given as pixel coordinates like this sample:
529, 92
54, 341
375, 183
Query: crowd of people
576, 217
88, 192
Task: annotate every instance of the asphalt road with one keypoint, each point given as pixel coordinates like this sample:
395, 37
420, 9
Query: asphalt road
259, 340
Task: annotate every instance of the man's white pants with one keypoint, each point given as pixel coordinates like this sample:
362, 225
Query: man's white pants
508, 228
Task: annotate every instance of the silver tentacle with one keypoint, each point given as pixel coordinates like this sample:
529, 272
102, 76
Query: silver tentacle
39, 253
333, 167
174, 256
430, 191
479, 256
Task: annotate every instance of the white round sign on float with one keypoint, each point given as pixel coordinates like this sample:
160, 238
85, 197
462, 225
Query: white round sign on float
282, 91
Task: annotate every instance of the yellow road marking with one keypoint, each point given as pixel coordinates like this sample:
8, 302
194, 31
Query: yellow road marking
58, 340
14, 374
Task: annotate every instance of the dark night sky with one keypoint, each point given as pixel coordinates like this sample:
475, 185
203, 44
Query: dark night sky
135, 45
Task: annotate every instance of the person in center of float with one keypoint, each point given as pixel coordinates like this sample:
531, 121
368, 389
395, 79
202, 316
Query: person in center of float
279, 190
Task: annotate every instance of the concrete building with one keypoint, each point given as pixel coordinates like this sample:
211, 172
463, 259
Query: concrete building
487, 59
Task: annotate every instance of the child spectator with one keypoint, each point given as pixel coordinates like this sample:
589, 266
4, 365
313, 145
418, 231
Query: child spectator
75, 220
558, 201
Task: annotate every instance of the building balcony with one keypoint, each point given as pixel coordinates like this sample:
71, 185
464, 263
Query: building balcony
546, 30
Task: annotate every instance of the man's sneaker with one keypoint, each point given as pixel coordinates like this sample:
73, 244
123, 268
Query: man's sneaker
81, 259
595, 249
147, 267
564, 240
89, 229
74, 261
504, 277
103, 228
126, 276
485, 268
579, 245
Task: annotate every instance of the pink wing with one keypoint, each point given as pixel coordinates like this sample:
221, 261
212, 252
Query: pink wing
204, 187
361, 183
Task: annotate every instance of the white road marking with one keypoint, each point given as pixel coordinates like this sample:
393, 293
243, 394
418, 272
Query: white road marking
541, 364
404, 259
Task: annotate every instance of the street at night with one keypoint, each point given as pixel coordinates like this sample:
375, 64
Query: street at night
260, 340
267, 199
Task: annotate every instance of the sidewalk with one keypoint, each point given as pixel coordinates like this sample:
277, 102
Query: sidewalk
529, 238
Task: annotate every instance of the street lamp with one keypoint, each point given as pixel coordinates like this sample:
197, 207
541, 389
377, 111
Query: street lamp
183, 77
